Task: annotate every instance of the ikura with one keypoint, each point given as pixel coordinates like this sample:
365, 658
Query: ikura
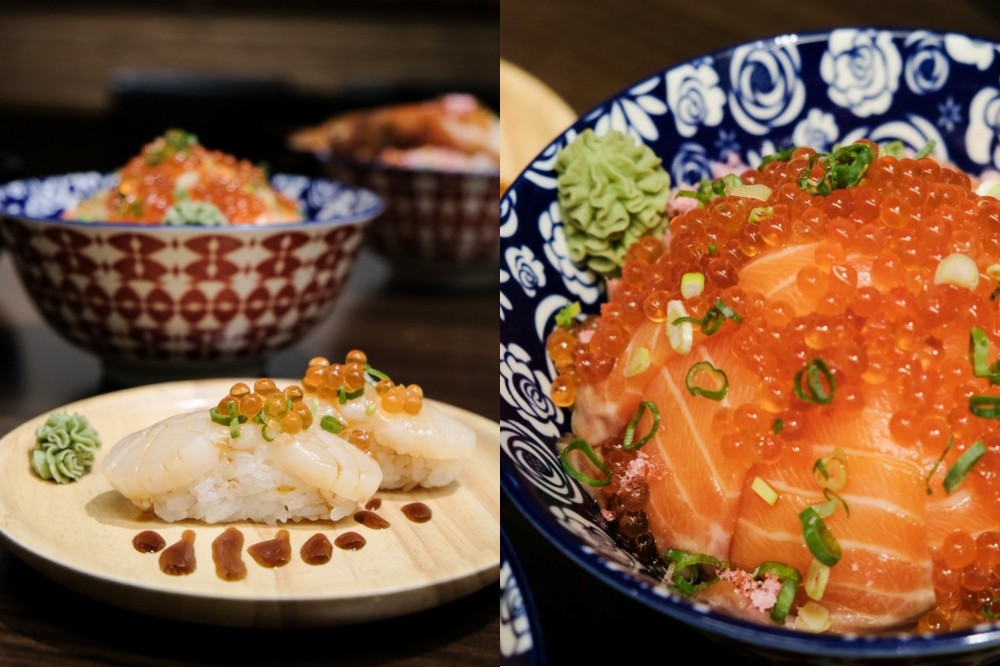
333, 381
828, 304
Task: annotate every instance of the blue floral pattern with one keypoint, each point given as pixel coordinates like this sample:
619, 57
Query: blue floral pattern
520, 634
767, 91
862, 68
820, 89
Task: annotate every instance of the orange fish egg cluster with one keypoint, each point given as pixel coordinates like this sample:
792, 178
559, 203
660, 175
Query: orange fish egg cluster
329, 380
265, 401
149, 181
874, 301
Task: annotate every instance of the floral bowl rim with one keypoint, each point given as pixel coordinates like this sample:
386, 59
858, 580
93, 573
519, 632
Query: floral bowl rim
536, 504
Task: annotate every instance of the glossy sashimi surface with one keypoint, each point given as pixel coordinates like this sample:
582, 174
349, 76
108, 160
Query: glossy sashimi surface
872, 291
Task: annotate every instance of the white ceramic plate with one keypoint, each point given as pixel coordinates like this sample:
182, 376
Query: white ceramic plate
80, 534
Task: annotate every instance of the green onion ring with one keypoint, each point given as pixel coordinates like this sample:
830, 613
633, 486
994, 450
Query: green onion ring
687, 571
937, 464
331, 424
979, 347
379, 375
818, 377
343, 396
987, 407
579, 444
630, 428
718, 374
790, 580
218, 417
819, 539
728, 312
962, 467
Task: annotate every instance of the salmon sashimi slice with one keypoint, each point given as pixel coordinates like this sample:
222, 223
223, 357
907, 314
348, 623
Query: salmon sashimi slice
884, 576
693, 505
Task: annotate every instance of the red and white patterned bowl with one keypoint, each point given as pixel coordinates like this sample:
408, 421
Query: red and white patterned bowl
440, 229
156, 301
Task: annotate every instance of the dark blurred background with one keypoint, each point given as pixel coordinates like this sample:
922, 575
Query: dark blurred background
84, 85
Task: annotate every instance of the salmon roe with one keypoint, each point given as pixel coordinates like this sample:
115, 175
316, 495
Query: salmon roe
336, 381
176, 167
868, 304
280, 410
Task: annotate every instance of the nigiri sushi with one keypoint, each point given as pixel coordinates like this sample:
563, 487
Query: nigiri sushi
415, 442
257, 456
798, 380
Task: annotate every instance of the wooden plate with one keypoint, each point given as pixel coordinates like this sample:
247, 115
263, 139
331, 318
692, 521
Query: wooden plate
80, 534
531, 116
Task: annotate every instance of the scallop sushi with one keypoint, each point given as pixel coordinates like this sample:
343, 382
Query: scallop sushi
257, 456
414, 441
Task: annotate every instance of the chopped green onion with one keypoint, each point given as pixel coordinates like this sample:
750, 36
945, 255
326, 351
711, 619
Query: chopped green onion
987, 407
760, 213
713, 319
638, 362
779, 156
764, 490
790, 580
959, 270
375, 373
979, 346
219, 418
331, 424
895, 148
826, 509
927, 482
963, 466
717, 385
751, 191
265, 432
817, 577
831, 472
819, 539
813, 617
709, 190
343, 396
727, 311
692, 284
234, 427
833, 497
680, 332
693, 572
979, 349
926, 150
630, 427
819, 383
567, 314
777, 427
986, 611
844, 168
581, 445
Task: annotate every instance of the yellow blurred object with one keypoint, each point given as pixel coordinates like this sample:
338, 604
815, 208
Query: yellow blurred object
531, 115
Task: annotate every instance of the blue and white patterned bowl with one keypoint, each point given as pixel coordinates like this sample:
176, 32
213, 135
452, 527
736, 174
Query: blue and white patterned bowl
520, 631
818, 89
158, 302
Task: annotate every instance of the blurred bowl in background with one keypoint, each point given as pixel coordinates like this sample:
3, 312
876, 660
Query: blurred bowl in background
440, 229
157, 302
436, 164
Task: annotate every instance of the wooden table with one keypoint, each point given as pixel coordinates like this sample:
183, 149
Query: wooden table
444, 342
587, 52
